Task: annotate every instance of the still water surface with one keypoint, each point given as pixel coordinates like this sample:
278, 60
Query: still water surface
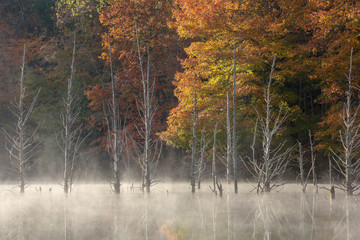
172, 212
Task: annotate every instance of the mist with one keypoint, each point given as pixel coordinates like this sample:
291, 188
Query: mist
92, 211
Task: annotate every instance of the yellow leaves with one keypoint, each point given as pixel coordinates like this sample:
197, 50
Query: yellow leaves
70, 8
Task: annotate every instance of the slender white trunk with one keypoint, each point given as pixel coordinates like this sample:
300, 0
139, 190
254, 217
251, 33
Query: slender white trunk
68, 125
228, 139
301, 166
349, 138
267, 138
313, 162
147, 110
115, 130
20, 126
193, 155
201, 164
234, 142
213, 165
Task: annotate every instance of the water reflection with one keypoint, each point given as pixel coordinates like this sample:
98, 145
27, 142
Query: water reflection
21, 226
117, 234
345, 226
180, 216
69, 233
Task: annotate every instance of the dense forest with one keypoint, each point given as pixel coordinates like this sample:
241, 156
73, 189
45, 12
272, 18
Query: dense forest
171, 88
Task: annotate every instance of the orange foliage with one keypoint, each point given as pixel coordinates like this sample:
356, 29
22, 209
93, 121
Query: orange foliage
165, 49
214, 27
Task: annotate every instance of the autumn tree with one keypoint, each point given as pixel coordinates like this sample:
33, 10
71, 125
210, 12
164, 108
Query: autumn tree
165, 48
333, 26
258, 30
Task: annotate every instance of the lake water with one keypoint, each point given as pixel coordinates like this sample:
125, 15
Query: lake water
172, 212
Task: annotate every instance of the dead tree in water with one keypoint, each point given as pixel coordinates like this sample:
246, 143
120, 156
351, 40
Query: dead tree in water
304, 178
21, 145
70, 135
331, 189
228, 140
347, 163
201, 163
226, 156
313, 157
193, 154
213, 162
234, 142
268, 172
114, 137
301, 166
152, 147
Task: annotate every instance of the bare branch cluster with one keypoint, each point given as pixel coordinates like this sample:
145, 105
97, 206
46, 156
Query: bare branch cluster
346, 159
71, 139
21, 143
268, 170
151, 146
114, 134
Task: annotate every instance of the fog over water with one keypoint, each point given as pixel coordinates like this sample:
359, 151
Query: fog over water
172, 212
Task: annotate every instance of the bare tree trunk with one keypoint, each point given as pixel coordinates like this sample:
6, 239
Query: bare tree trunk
20, 128
71, 134
267, 137
213, 165
332, 187
254, 142
228, 139
193, 155
147, 110
201, 164
234, 142
115, 132
349, 138
301, 166
22, 147
330, 172
313, 162
304, 178
147, 124
68, 121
